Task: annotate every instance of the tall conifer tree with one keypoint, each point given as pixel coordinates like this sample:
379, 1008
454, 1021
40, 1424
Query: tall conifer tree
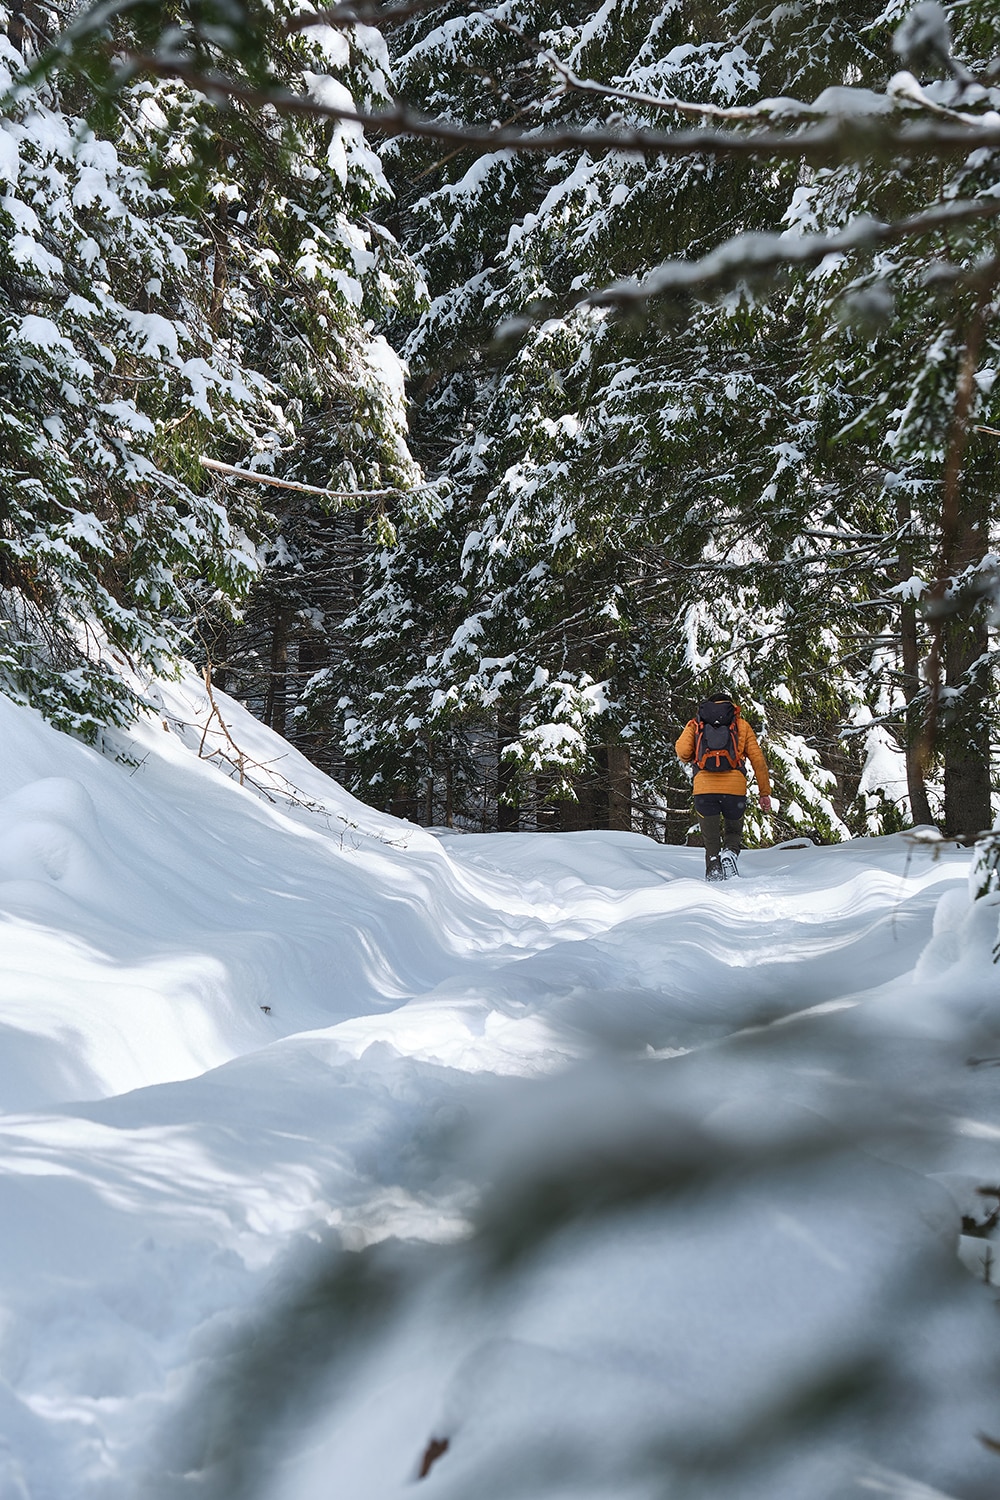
648, 502
183, 281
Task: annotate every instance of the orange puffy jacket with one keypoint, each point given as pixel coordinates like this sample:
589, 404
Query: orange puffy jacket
732, 782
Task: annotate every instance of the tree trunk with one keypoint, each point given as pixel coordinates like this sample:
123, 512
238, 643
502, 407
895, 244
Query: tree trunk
914, 727
967, 809
508, 813
964, 643
575, 816
961, 637
429, 786
449, 787
276, 698
313, 656
619, 788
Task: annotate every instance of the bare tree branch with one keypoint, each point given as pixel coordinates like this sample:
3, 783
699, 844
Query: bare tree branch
293, 484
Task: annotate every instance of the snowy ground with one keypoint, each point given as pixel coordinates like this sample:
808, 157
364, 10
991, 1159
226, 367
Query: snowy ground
323, 1137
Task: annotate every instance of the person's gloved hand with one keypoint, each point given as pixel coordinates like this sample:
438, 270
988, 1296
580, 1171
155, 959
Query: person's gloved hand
765, 804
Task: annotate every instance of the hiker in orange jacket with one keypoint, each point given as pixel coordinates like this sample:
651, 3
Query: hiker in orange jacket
719, 741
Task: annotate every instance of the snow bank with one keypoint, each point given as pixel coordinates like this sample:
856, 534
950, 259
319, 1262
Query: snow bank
323, 1137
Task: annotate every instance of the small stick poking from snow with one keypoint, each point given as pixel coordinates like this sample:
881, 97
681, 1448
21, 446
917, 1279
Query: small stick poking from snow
433, 1452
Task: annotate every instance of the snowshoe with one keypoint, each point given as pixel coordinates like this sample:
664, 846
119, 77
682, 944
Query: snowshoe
730, 865
714, 870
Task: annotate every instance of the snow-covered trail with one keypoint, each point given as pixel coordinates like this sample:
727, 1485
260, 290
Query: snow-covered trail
643, 955
234, 1028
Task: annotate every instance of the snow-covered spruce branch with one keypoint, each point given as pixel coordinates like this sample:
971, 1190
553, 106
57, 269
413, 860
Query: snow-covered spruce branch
835, 138
748, 254
871, 547
577, 85
903, 87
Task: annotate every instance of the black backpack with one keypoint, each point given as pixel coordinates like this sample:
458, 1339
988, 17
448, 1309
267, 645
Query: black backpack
715, 745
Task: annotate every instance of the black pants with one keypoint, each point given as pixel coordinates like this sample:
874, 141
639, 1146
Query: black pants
710, 807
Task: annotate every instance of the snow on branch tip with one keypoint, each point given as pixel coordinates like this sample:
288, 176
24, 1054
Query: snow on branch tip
756, 253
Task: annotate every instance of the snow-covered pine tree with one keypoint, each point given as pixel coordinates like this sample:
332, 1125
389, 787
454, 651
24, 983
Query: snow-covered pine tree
643, 503
304, 277
106, 351
904, 359
233, 275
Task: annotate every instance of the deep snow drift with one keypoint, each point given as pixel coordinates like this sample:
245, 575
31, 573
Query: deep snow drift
324, 1137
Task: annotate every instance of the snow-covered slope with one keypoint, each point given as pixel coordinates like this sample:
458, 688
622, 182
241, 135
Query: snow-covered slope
718, 1142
